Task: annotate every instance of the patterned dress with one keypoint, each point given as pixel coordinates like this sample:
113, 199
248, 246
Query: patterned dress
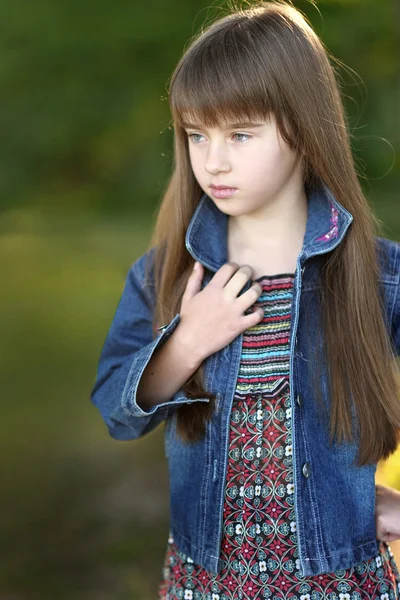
258, 547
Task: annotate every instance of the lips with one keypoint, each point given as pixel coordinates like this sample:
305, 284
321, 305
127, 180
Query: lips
222, 187
222, 191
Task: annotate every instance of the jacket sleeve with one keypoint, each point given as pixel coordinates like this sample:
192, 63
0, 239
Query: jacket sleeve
127, 350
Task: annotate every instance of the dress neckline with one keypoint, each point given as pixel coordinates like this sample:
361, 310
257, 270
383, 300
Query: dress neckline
277, 276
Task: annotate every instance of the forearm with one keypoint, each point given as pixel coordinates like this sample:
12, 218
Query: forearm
168, 370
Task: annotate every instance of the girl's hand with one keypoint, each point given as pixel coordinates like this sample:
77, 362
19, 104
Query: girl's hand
210, 318
387, 513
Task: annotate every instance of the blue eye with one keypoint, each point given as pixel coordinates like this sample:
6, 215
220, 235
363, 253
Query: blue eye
246, 135
191, 135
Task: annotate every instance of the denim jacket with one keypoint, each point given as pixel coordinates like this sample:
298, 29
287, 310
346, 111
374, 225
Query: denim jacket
334, 500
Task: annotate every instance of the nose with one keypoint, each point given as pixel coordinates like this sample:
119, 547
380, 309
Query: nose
217, 159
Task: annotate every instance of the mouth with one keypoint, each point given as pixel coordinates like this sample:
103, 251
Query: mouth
221, 191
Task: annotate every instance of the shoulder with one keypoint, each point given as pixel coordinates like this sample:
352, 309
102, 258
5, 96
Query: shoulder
142, 267
391, 245
389, 254
140, 278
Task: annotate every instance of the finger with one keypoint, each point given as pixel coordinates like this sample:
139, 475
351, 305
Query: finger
249, 297
193, 285
253, 318
224, 273
239, 280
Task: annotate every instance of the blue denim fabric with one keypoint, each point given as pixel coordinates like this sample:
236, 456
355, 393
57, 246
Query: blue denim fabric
334, 500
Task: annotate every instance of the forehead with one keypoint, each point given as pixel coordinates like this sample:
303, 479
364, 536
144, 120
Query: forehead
189, 122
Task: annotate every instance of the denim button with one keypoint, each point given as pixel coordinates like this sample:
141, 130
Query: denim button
298, 400
306, 469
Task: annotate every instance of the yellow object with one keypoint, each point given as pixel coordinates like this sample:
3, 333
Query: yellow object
388, 473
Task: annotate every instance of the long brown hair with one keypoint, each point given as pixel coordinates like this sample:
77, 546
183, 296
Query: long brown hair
251, 63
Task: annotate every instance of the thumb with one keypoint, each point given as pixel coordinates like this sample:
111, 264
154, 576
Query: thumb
193, 285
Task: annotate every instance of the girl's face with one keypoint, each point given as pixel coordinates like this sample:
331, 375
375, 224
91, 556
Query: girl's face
253, 158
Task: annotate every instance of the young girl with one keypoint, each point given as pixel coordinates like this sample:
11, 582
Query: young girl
262, 326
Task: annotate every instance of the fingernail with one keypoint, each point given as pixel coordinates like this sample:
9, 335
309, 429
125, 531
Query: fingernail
196, 265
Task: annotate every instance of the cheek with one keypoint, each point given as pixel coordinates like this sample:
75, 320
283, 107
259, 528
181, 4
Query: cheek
195, 161
271, 160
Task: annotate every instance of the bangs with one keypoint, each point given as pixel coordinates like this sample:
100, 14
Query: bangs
223, 79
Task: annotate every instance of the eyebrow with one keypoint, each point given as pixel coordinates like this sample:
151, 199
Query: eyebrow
230, 126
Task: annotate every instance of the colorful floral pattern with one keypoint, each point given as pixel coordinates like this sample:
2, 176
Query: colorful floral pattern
334, 229
258, 547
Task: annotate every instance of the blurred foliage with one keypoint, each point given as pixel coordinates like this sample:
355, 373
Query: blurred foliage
83, 92
82, 167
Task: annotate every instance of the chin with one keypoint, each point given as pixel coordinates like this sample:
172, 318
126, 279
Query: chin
230, 209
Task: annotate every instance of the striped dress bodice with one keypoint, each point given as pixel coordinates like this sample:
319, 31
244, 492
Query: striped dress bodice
264, 366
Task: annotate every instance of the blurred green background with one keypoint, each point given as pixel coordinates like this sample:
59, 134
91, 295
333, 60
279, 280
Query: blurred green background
84, 157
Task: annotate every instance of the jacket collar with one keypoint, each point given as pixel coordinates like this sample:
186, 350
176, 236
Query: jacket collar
327, 223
